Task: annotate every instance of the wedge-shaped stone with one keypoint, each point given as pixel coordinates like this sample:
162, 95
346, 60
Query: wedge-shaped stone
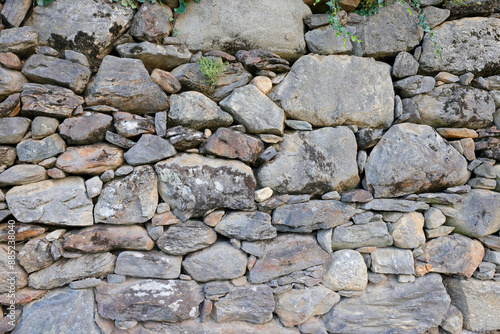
49, 100
336, 90
313, 215
391, 306
149, 149
232, 144
193, 185
286, 254
413, 158
18, 40
102, 238
65, 271
125, 84
158, 300
130, 200
164, 57
373, 234
246, 226
35, 254
90, 159
186, 237
311, 162
88, 128
54, 202
152, 264
34, 151
22, 231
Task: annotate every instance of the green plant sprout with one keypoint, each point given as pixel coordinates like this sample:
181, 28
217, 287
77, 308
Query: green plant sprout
211, 69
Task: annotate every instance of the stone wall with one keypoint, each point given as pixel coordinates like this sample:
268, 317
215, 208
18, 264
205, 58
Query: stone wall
318, 188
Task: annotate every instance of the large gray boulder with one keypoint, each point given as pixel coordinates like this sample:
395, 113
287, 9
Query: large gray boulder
316, 161
413, 158
336, 90
55, 202
88, 26
466, 45
230, 26
125, 84
193, 185
390, 306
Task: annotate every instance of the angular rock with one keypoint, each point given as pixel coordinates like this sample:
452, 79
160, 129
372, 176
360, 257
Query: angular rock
152, 264
49, 100
13, 129
404, 66
334, 90
452, 321
275, 27
399, 164
18, 40
392, 261
149, 149
312, 215
472, 8
264, 84
186, 237
10, 106
408, 231
130, 125
392, 306
90, 159
166, 81
102, 238
373, 234
21, 231
260, 60
130, 200
66, 310
125, 84
324, 41
305, 163
184, 138
254, 110
435, 16
247, 226
54, 202
50, 70
196, 111
152, 22
10, 270
346, 270
474, 50
23, 296
88, 128
42, 127
231, 144
454, 105
38, 150
285, 254
414, 85
156, 56
193, 185
254, 304
10, 82
221, 261
158, 300
22, 174
65, 271
35, 255
13, 12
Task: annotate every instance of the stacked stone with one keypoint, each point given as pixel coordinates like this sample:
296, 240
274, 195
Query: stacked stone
321, 192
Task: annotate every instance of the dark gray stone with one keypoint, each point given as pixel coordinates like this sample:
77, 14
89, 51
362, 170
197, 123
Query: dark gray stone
246, 226
186, 237
38, 150
149, 149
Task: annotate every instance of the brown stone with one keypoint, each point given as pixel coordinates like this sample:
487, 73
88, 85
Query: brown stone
356, 196
10, 60
8, 271
7, 155
469, 148
166, 218
22, 231
152, 22
10, 106
213, 218
454, 133
255, 60
35, 254
234, 145
221, 54
83, 129
56, 173
166, 81
90, 159
23, 296
101, 238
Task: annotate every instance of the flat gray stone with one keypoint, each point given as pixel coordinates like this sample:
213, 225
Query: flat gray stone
22, 174
246, 226
392, 261
164, 57
186, 237
435, 16
13, 12
18, 40
414, 85
153, 264
324, 41
85, 283
42, 127
373, 234
408, 231
34, 151
13, 129
399, 205
149, 149
35, 254
88, 128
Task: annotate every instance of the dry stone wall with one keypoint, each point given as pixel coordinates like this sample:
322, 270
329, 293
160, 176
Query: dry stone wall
316, 188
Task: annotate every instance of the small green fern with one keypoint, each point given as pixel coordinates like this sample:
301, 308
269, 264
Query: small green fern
211, 70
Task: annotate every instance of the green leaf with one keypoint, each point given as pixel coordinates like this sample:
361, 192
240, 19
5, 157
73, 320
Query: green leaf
181, 9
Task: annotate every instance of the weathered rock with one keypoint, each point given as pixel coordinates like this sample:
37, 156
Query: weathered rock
10, 82
221, 261
54, 202
66, 311
454, 105
38, 150
184, 138
166, 81
42, 127
195, 110
346, 270
324, 41
193, 185
10, 270
391, 306
10, 106
408, 231
13, 12
286, 254
247, 226
152, 22
334, 90
88, 128
49, 100
474, 49
452, 321
232, 144
392, 30
257, 60
454, 254
404, 66
392, 261
476, 300
18, 40
472, 8
149, 149
22, 174
186, 237
414, 85
254, 110
312, 215
83, 25
435, 16
130, 200
275, 27
102, 238
50, 70
23, 296
156, 56
125, 84
399, 164
152, 264
130, 125
159, 300
373, 234
21, 231
90, 159
305, 163
13, 129
35, 254
264, 84
65, 271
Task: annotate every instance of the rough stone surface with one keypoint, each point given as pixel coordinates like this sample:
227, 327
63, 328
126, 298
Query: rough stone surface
38, 150
166, 81
186, 237
12, 130
152, 264
42, 127
21, 277
399, 163
232, 144
392, 261
18, 40
151, 22
346, 270
408, 231
373, 234
156, 56
247, 226
10, 82
90, 159
22, 174
414, 85
149, 149
322, 41
130, 125
88, 128
35, 254
304, 163
13, 12
334, 90
404, 66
